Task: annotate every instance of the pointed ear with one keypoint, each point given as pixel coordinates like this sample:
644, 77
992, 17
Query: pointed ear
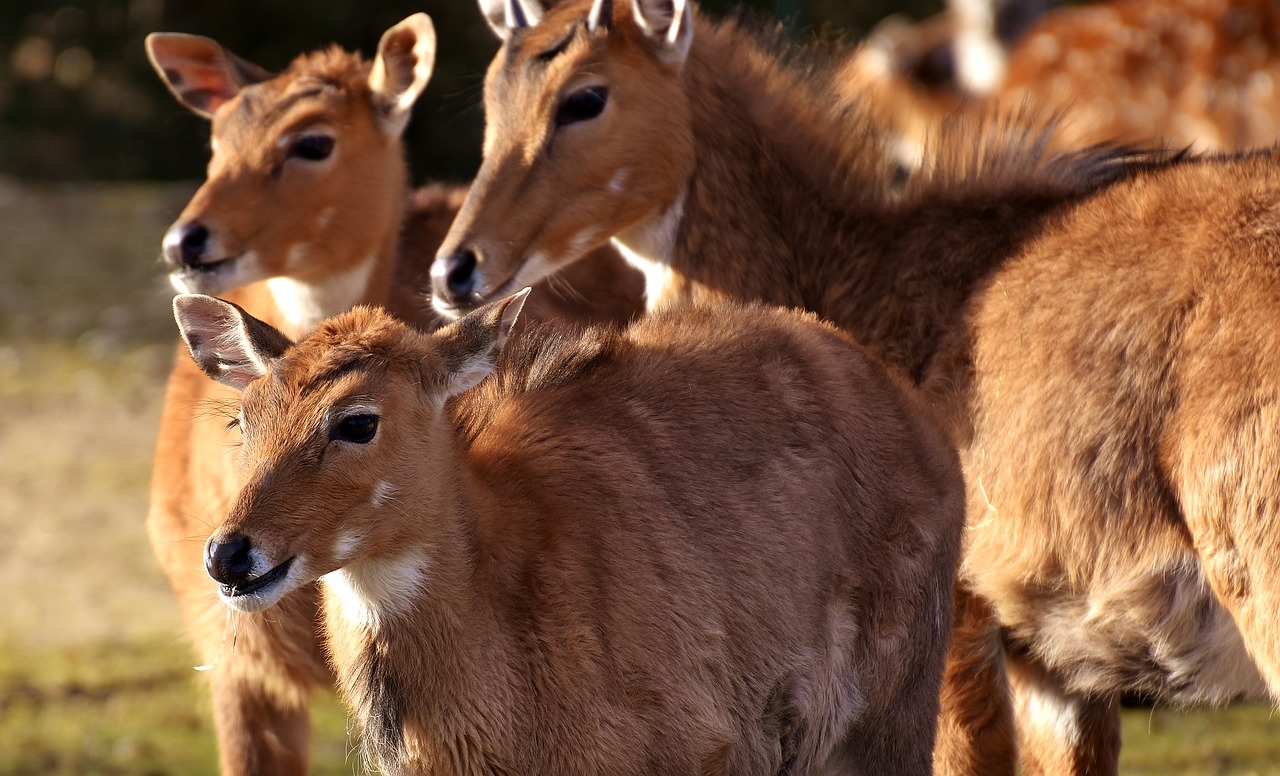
469, 347
669, 24
406, 57
198, 71
600, 16
507, 16
227, 343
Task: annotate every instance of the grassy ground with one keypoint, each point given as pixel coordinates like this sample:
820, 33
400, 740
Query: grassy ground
95, 677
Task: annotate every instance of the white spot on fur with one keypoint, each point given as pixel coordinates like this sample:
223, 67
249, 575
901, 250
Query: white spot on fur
875, 61
326, 218
579, 244
649, 246
298, 256
619, 180
982, 63
305, 304
382, 493
537, 267
367, 592
344, 549
1044, 708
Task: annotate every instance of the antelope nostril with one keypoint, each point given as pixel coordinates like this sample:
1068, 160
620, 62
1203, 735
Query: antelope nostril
227, 561
193, 243
460, 273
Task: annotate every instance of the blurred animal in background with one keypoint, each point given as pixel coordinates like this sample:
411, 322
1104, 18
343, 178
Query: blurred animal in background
306, 212
721, 540
1198, 73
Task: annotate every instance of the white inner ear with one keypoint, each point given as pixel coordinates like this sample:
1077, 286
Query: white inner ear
237, 353
532, 12
398, 77
471, 373
668, 21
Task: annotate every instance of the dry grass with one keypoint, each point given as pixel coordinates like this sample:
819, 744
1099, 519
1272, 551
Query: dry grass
95, 677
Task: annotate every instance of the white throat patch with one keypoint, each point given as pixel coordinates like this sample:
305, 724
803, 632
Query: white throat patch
648, 248
305, 304
370, 591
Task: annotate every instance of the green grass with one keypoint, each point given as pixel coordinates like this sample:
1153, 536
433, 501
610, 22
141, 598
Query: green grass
1236, 741
124, 708
95, 676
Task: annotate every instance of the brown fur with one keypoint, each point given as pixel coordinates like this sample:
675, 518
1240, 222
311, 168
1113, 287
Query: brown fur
1089, 325
1176, 72
584, 565
261, 687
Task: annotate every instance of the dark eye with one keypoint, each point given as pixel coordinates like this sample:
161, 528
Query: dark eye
359, 429
582, 105
313, 148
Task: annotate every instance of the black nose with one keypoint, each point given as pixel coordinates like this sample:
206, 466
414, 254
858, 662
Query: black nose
227, 561
189, 248
459, 279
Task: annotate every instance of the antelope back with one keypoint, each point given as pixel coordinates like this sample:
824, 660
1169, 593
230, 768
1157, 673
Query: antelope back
587, 134
307, 175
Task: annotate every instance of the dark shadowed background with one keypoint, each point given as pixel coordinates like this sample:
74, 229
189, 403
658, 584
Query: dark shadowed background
78, 99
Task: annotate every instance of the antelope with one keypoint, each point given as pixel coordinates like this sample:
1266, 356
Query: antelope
1178, 72
1091, 325
306, 212
719, 541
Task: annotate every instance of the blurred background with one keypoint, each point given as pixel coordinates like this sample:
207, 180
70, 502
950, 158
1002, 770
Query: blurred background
96, 159
78, 100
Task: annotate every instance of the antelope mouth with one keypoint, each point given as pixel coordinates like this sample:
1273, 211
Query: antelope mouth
204, 277
259, 584
457, 309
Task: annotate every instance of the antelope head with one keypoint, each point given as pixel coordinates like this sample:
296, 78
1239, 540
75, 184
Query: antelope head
587, 136
307, 170
345, 448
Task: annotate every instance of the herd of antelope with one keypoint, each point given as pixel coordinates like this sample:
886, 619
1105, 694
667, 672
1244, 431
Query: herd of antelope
760, 408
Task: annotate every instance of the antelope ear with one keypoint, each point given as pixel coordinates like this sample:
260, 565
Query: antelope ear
200, 73
406, 57
227, 343
668, 23
470, 346
507, 16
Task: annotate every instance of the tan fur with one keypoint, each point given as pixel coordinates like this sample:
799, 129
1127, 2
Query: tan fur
1092, 325
1175, 72
337, 212
720, 541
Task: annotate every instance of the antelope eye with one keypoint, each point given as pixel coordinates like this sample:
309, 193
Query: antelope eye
359, 429
313, 148
582, 105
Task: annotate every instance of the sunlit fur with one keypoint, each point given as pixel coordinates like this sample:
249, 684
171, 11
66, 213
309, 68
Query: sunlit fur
720, 541
324, 236
1090, 324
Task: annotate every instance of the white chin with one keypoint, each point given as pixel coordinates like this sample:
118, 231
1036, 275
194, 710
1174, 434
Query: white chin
255, 602
446, 312
269, 595
203, 282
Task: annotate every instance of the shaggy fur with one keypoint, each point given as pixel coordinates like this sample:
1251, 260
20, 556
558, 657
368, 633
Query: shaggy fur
307, 225
607, 573
1089, 325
